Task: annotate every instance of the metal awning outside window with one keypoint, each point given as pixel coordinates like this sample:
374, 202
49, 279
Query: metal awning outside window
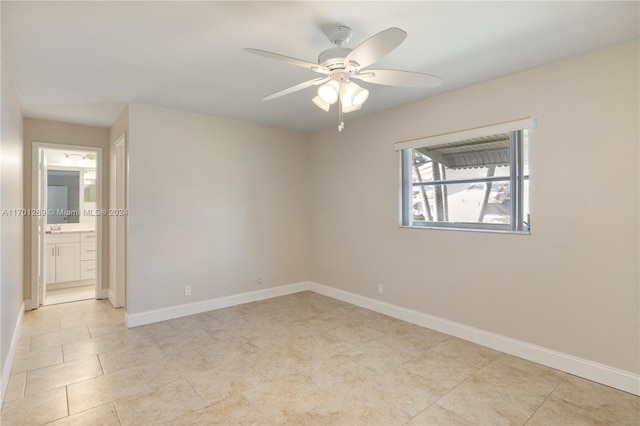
480, 151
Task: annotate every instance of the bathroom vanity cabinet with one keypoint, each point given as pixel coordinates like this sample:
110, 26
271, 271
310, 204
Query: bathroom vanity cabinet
71, 256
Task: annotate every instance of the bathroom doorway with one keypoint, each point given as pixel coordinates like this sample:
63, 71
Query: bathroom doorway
67, 224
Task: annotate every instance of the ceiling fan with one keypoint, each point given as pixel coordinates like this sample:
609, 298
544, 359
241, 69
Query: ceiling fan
340, 66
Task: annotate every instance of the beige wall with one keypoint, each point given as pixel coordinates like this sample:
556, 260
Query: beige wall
36, 130
214, 203
11, 226
572, 285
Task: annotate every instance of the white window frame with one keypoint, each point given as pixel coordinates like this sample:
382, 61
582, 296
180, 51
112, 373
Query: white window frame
515, 129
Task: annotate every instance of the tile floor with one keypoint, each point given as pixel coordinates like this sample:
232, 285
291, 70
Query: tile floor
297, 359
71, 294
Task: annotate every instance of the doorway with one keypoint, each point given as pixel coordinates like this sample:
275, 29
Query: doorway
67, 229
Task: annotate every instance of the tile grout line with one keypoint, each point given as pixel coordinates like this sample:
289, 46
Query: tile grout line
545, 400
143, 378
115, 407
24, 387
62, 352
100, 364
40, 368
446, 393
196, 392
149, 388
458, 385
66, 394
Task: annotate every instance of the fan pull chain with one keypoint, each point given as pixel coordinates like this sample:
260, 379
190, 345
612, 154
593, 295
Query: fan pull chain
340, 116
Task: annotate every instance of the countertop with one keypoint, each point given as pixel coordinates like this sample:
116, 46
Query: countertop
69, 231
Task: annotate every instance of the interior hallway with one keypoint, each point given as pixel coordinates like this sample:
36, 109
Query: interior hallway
297, 359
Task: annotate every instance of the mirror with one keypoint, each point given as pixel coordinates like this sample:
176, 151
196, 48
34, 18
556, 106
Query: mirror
70, 192
63, 196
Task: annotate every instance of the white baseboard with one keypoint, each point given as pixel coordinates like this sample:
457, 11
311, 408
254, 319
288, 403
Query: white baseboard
102, 293
6, 368
28, 305
111, 296
619, 379
178, 311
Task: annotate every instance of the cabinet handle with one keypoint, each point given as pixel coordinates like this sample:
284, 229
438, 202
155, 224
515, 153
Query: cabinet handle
89, 270
88, 251
89, 236
57, 251
53, 252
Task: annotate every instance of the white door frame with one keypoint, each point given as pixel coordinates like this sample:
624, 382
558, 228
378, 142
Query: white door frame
43, 203
118, 224
37, 237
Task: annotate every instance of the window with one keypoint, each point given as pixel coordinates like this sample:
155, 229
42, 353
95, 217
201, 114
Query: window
475, 179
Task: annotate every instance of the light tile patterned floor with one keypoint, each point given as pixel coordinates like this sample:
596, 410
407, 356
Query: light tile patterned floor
298, 359
70, 294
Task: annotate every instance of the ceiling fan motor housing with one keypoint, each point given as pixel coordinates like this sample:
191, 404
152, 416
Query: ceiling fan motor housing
333, 59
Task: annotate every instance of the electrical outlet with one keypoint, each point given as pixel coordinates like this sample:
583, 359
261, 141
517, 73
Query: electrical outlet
380, 288
187, 290
259, 280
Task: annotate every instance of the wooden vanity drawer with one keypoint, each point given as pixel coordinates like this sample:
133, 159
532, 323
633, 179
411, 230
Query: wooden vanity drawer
88, 251
87, 269
87, 237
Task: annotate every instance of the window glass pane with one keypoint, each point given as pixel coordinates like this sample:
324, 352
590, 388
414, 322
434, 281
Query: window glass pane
475, 199
463, 203
468, 184
427, 170
525, 204
525, 154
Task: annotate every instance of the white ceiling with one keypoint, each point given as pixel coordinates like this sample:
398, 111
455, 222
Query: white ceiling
82, 62
56, 157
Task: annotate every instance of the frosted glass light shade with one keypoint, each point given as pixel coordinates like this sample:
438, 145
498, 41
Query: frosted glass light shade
328, 92
360, 96
320, 103
353, 95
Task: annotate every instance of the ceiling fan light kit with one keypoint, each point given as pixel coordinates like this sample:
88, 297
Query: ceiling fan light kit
353, 94
340, 64
320, 103
329, 92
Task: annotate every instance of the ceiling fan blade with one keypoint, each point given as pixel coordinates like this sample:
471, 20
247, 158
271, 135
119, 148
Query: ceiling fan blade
289, 60
303, 85
398, 78
374, 48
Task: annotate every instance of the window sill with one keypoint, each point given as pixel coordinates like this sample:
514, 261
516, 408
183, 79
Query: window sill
447, 228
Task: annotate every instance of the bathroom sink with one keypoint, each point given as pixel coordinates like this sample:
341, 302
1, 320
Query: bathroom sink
68, 231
